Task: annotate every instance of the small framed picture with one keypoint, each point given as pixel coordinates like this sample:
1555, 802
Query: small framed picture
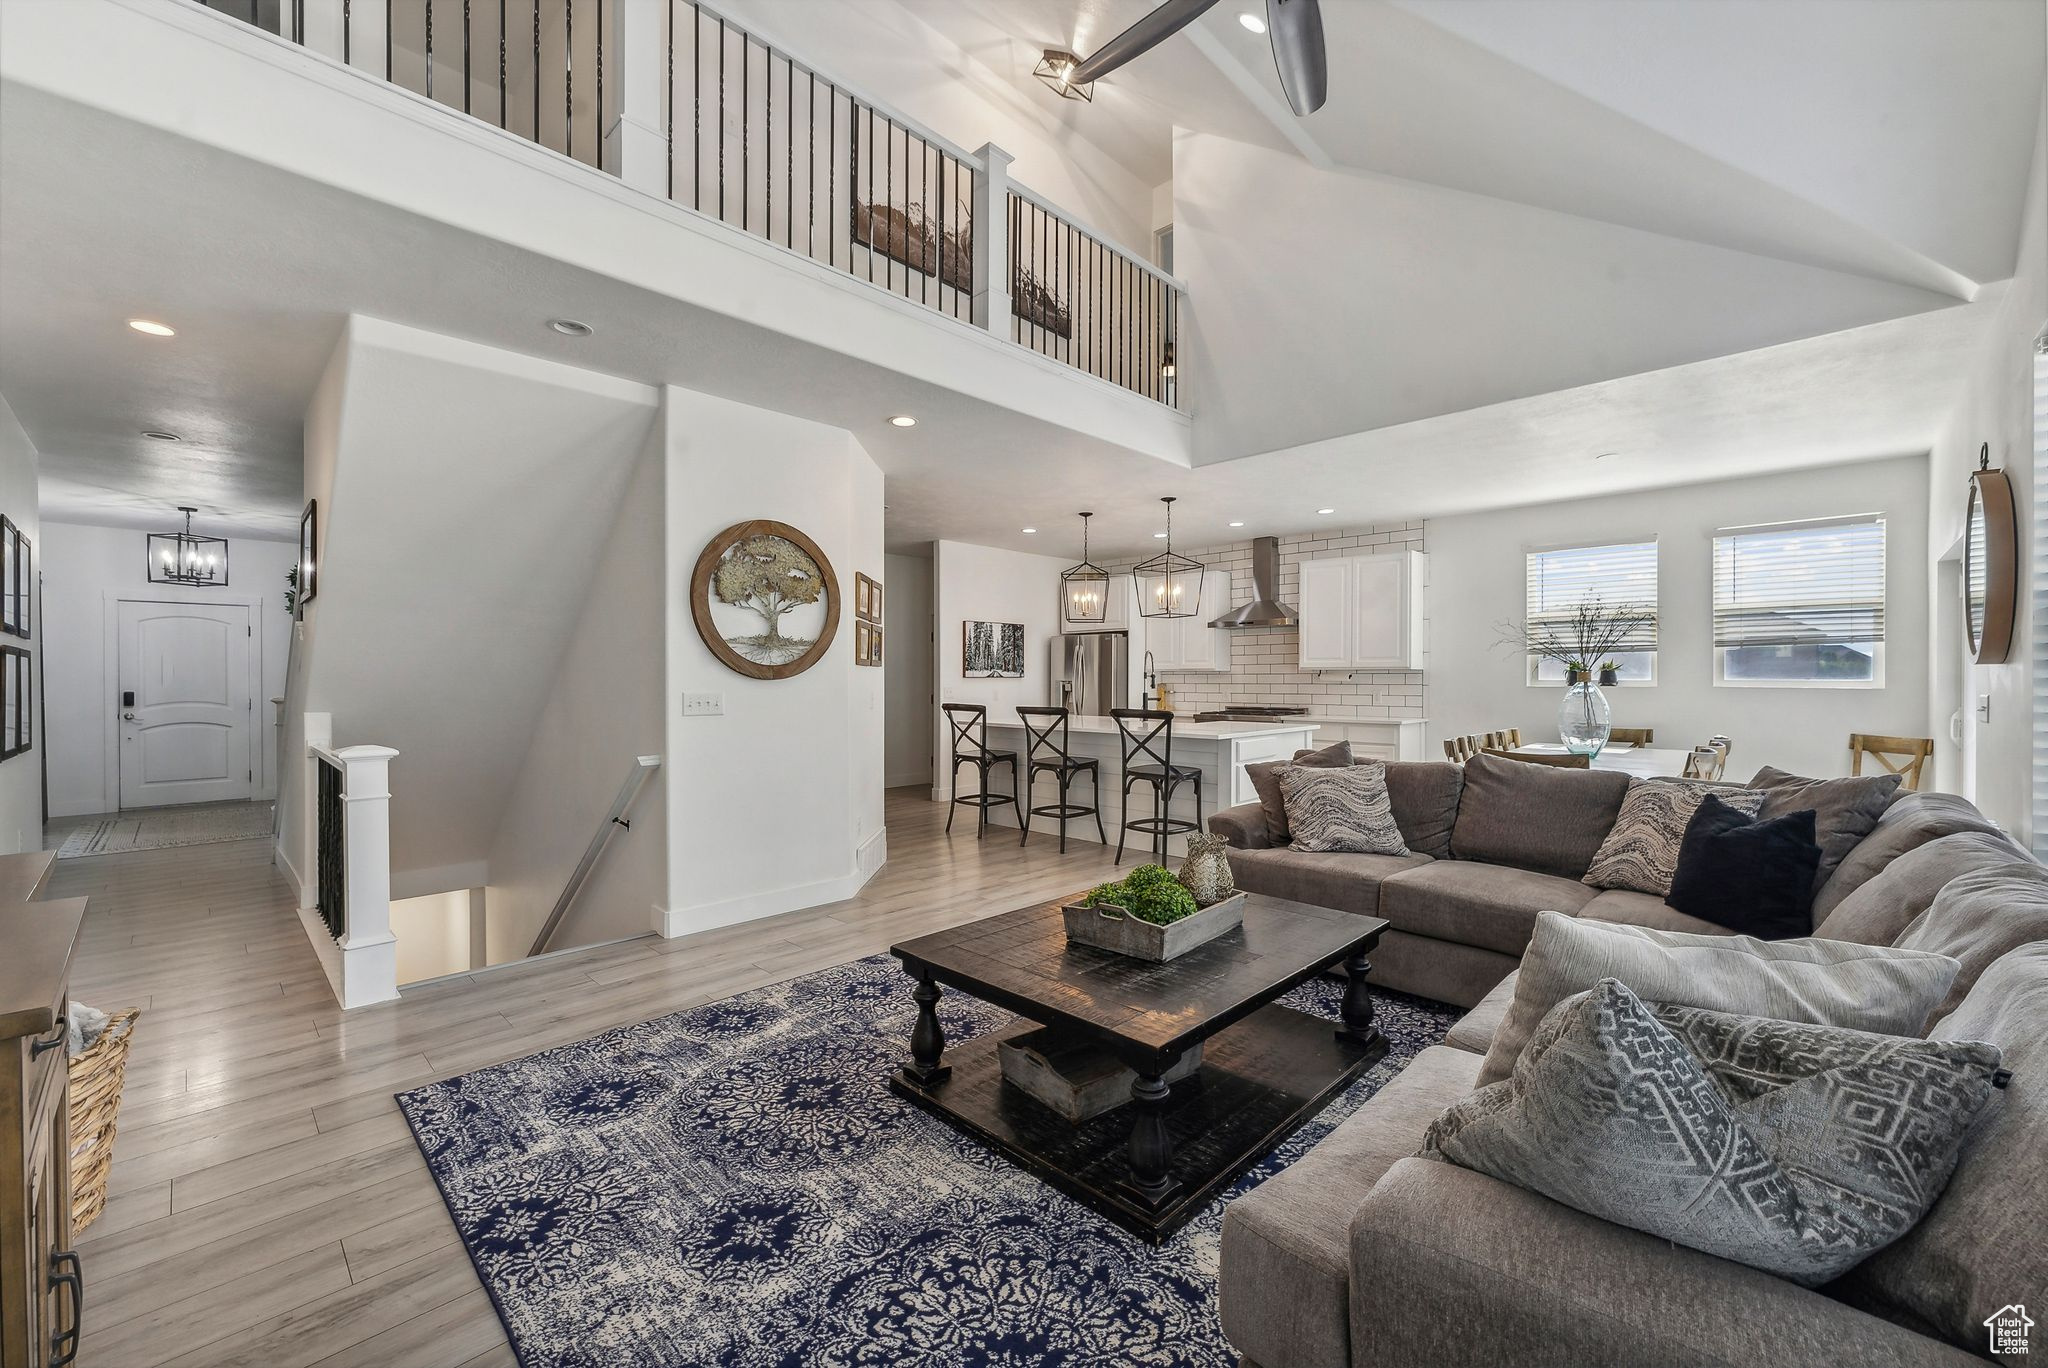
309, 555
867, 598
863, 638
17, 714
875, 646
14, 579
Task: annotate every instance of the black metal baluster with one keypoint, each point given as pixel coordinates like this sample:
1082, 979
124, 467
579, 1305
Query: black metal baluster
789, 156
569, 78
811, 171
536, 73
465, 56
600, 85
668, 101
387, 39
696, 108
504, 116
746, 132
430, 49
870, 210
889, 194
347, 29
768, 143
924, 208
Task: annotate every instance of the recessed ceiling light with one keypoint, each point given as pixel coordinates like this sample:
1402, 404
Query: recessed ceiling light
160, 436
1252, 21
1326, 510
1029, 530
1237, 524
903, 420
152, 327
570, 327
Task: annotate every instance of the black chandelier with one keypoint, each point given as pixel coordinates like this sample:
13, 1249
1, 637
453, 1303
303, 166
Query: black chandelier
1169, 585
1084, 588
185, 558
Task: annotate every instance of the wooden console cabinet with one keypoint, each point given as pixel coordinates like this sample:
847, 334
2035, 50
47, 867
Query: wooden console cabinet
41, 1289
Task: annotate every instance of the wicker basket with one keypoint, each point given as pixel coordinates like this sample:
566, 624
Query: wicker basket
96, 1078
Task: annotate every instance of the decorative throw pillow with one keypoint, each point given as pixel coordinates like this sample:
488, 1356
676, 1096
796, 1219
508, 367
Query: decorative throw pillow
1641, 851
1845, 810
1751, 876
1979, 917
1829, 983
1341, 809
1266, 783
1797, 1149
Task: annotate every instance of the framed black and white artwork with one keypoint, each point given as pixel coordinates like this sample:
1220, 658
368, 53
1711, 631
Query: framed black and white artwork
17, 573
993, 650
17, 713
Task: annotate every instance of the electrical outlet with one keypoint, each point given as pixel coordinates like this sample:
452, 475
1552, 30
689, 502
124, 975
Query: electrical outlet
703, 705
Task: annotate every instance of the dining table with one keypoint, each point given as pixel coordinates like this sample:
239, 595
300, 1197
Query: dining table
1642, 762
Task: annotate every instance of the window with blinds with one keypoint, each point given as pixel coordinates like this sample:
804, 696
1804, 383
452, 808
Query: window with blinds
1800, 603
1559, 581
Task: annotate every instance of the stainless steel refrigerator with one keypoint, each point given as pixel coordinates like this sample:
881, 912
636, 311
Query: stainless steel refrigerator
1091, 672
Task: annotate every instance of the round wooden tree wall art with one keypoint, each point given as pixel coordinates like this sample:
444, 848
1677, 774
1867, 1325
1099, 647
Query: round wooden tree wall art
765, 600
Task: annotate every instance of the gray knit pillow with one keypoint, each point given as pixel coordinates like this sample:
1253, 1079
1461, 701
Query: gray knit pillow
1341, 809
1641, 850
1797, 1149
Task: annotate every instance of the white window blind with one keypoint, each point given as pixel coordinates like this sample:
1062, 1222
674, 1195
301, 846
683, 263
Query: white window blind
1800, 584
1617, 576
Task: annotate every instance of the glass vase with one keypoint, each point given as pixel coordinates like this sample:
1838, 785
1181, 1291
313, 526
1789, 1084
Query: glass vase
1584, 719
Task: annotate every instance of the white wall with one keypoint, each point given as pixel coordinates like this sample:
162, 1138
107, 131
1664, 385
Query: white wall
433, 935
886, 53
907, 678
605, 709
86, 571
777, 803
21, 778
983, 584
1476, 585
1993, 765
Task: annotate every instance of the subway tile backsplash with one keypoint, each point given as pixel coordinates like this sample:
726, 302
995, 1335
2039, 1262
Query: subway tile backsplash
1263, 666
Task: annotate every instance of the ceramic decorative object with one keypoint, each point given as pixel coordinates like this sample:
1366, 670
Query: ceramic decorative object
1206, 871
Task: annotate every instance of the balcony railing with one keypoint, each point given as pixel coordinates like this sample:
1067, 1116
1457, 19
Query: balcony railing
768, 144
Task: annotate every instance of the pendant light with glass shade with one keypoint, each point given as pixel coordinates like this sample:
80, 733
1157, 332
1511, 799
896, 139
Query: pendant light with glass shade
1169, 585
1084, 588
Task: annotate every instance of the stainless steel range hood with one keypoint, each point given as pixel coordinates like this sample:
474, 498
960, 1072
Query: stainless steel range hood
1265, 609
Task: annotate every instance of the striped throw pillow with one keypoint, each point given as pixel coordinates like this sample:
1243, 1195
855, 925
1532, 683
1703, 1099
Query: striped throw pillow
1641, 850
1341, 809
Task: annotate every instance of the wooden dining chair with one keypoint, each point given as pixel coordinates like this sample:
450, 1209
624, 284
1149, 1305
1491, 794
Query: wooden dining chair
1557, 761
1460, 748
1911, 753
1632, 736
1705, 762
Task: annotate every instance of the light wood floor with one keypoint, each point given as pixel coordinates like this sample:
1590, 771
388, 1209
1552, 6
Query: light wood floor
268, 1205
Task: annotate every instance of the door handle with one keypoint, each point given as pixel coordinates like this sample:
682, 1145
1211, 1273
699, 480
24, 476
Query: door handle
127, 717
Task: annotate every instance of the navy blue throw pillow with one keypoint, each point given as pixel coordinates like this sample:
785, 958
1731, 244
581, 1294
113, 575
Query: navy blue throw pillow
1753, 877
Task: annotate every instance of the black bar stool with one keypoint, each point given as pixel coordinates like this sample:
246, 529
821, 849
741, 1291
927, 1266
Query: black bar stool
1148, 736
969, 722
1046, 748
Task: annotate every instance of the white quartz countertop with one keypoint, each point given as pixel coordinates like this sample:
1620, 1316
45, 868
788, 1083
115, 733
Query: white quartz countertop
1182, 731
1325, 718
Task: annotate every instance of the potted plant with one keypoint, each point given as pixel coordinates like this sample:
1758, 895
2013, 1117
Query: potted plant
1148, 914
1592, 631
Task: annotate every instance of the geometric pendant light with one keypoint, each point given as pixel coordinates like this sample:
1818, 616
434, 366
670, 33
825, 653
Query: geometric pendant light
1084, 588
185, 558
1169, 585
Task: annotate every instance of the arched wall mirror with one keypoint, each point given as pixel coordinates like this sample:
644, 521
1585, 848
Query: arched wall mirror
1990, 563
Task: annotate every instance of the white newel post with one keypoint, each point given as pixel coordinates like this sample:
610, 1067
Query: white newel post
992, 241
369, 952
635, 142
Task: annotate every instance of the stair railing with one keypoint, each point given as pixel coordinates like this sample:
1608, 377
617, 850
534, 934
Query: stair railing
636, 779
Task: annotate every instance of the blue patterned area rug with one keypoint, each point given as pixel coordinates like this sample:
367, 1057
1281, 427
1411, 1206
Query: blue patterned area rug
736, 1185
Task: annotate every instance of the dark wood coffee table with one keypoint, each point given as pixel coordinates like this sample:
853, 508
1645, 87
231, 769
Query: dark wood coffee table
1153, 1163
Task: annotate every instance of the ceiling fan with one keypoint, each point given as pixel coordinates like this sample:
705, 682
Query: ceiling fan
1296, 28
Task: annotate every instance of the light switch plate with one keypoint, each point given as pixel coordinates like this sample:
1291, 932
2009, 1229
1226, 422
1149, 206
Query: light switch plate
703, 705
1983, 707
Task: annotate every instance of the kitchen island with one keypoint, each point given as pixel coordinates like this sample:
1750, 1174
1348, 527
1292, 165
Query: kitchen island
1220, 750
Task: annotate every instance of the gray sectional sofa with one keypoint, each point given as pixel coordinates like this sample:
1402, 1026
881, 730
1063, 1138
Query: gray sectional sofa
1363, 1254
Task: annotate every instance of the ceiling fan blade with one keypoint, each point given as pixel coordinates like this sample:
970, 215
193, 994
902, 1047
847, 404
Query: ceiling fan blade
1297, 31
1155, 28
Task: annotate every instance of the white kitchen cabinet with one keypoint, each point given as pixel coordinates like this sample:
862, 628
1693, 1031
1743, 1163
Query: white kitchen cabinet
1362, 612
1190, 643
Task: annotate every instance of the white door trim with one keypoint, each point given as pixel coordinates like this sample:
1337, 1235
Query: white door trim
110, 682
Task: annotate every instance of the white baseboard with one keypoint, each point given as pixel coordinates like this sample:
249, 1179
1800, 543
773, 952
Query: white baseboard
291, 874
670, 922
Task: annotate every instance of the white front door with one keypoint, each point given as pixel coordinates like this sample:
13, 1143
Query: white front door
187, 717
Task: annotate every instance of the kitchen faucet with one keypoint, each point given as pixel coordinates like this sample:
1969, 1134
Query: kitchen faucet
1151, 681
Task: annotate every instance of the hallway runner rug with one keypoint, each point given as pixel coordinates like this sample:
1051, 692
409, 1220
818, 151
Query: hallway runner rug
161, 828
736, 1185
